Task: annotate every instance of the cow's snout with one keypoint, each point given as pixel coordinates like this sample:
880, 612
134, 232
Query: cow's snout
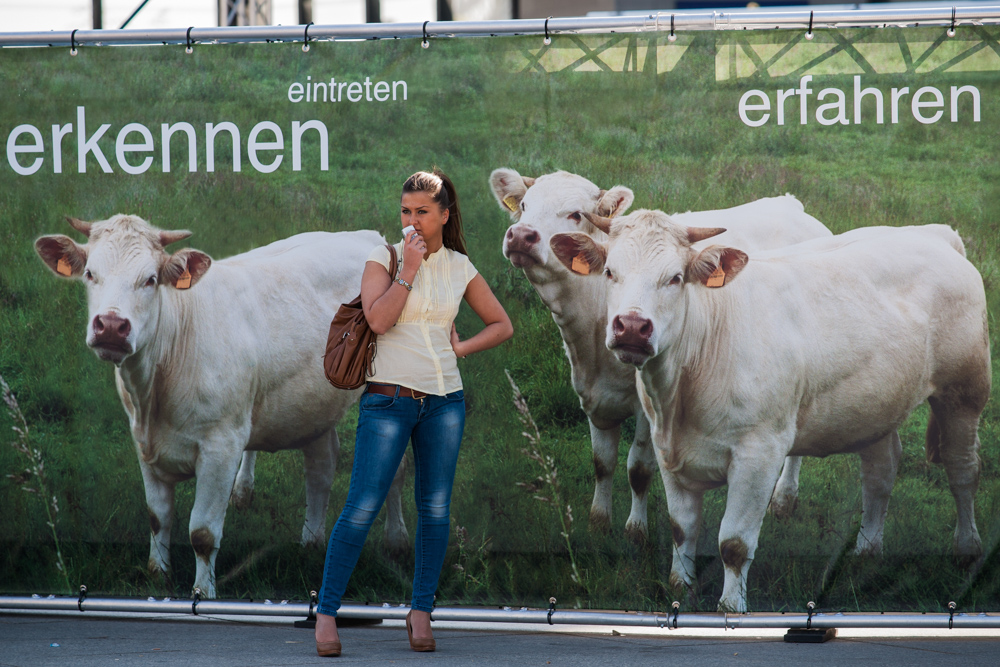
630, 338
521, 245
110, 338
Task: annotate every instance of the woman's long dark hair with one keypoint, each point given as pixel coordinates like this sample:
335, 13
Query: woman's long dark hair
442, 192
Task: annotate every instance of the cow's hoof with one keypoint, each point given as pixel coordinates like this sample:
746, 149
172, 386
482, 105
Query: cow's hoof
637, 534
783, 507
241, 498
600, 522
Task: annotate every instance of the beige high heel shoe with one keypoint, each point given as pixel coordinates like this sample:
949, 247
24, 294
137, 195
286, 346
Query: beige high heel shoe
421, 645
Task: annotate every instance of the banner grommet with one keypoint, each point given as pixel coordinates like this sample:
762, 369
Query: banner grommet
548, 39
305, 45
951, 31
189, 49
425, 44
72, 43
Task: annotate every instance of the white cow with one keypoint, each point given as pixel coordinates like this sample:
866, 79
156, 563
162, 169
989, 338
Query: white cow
553, 203
816, 349
213, 366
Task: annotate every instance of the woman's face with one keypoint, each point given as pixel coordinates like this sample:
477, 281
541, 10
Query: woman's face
426, 215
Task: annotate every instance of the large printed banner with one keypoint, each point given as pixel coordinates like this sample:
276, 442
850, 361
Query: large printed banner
140, 362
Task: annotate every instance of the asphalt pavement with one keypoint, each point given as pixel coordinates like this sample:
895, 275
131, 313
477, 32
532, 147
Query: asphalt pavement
35, 640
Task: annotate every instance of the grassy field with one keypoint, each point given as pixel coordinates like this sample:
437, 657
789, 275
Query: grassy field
674, 137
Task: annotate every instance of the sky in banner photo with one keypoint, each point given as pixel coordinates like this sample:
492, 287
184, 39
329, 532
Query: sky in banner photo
19, 16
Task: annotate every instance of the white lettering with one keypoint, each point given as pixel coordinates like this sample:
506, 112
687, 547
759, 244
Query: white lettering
840, 106
210, 132
295, 93
897, 94
89, 145
804, 91
764, 106
858, 94
782, 96
396, 84
58, 132
936, 103
253, 145
324, 144
13, 149
121, 148
168, 131
955, 92
384, 88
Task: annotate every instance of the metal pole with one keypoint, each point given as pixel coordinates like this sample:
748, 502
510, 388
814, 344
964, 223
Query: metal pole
97, 14
373, 11
663, 620
305, 12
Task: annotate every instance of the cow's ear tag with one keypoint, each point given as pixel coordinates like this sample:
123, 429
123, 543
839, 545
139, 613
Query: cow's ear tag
580, 265
717, 278
184, 282
510, 202
63, 268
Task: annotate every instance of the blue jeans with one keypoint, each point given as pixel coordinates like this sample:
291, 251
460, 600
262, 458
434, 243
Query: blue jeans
385, 425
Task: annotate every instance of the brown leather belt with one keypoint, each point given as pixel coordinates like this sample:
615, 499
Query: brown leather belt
390, 390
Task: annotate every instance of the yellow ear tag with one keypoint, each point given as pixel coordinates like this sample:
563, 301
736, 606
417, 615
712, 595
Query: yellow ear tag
717, 278
510, 202
184, 281
63, 268
580, 265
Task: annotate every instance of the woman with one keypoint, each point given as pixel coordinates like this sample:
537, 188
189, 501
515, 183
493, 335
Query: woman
415, 392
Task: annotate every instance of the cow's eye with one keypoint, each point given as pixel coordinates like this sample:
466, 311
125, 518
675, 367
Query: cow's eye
575, 217
88, 275
522, 206
608, 274
676, 280
151, 282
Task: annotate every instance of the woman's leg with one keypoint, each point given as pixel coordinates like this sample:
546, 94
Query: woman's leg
436, 440
384, 427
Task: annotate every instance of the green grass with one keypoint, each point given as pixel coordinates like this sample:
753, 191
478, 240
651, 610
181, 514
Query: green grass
675, 139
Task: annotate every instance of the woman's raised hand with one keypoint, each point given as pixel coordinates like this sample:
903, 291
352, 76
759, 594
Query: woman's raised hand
414, 249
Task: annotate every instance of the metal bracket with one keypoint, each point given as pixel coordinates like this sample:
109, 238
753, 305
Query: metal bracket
676, 606
310, 620
552, 609
194, 603
83, 596
951, 615
809, 620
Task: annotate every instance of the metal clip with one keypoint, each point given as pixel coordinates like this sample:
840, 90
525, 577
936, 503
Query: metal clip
552, 609
951, 615
951, 31
672, 36
189, 49
425, 43
194, 603
809, 32
72, 43
676, 606
83, 596
547, 40
313, 601
809, 621
305, 46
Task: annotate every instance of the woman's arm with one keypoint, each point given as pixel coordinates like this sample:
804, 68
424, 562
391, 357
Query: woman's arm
382, 298
498, 327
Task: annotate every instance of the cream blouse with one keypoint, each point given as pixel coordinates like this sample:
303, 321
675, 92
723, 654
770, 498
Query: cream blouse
416, 352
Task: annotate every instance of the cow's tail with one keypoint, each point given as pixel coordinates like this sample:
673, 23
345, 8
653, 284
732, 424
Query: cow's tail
932, 443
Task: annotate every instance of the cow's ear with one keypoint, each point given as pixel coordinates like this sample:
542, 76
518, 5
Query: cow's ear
579, 253
64, 256
615, 201
509, 187
184, 268
716, 266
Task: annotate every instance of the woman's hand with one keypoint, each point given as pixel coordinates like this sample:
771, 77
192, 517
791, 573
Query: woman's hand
414, 249
456, 343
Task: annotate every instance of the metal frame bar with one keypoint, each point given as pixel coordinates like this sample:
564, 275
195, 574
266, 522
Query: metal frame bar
557, 617
715, 20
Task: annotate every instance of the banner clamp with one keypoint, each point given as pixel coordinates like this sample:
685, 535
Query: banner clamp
552, 609
195, 601
676, 606
83, 596
809, 620
951, 615
305, 46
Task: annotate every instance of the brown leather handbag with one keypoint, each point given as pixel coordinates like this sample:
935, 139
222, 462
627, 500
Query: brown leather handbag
350, 345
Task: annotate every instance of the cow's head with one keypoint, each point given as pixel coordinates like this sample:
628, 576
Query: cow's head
547, 205
650, 268
125, 268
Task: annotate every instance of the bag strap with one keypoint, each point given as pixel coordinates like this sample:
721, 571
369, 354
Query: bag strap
392, 260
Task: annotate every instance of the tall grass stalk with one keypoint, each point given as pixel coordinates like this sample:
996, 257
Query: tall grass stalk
548, 479
33, 480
